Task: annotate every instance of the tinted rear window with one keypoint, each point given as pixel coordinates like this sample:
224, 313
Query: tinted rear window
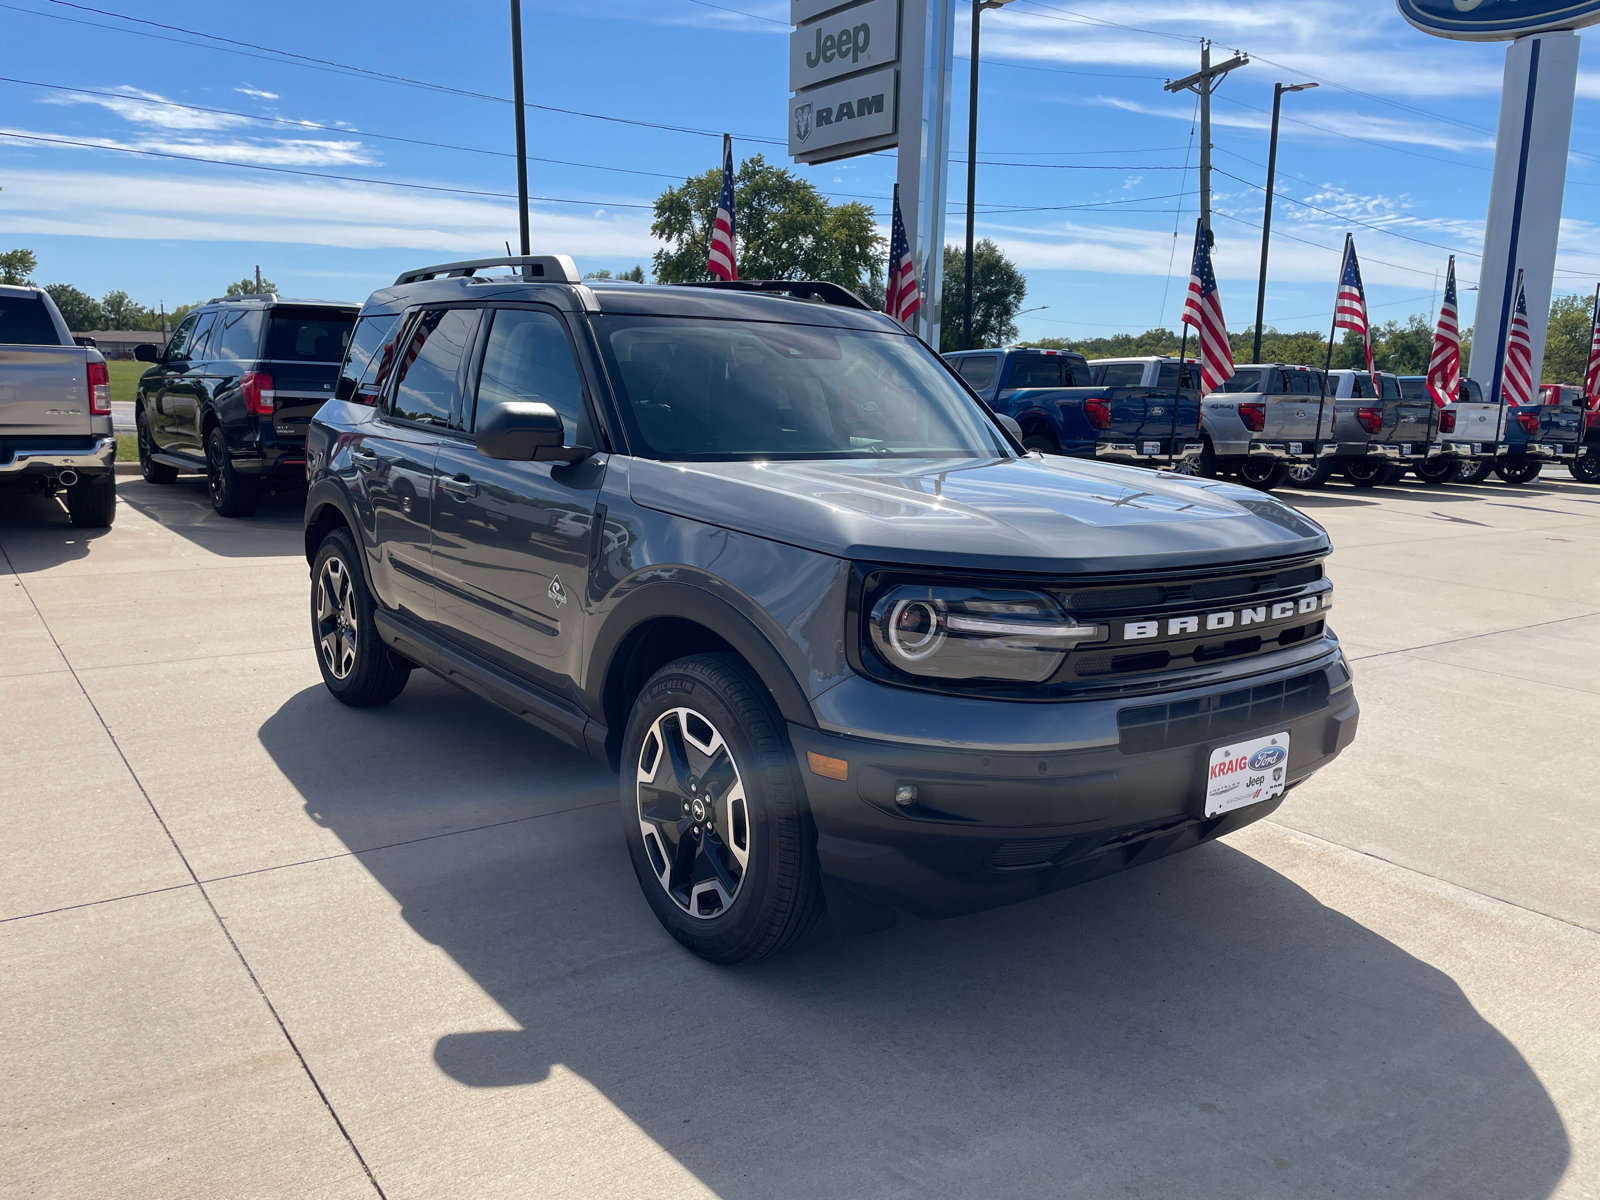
1034, 371
978, 370
24, 321
1243, 381
1414, 387
1471, 392
237, 337
309, 334
1119, 374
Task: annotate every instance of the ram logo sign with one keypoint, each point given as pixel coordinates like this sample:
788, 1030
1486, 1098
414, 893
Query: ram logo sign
842, 114
1497, 20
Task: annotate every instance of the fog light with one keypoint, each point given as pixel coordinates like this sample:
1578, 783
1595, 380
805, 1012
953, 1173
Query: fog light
905, 795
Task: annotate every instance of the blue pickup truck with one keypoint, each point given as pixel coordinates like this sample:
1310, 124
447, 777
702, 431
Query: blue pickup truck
1138, 411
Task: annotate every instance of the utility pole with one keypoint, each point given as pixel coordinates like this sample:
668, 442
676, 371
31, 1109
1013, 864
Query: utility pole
1278, 89
1203, 82
258, 279
522, 133
978, 7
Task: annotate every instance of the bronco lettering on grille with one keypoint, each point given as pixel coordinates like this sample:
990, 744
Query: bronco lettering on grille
1137, 631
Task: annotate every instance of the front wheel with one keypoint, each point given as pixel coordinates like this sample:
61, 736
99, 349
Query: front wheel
232, 494
153, 471
715, 813
1263, 473
1437, 471
1586, 467
356, 666
1474, 470
1310, 474
1518, 471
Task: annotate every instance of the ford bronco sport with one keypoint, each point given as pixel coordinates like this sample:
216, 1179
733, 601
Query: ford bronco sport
849, 646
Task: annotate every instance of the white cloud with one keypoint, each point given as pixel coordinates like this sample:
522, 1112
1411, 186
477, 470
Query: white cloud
352, 216
1324, 125
256, 93
275, 152
144, 108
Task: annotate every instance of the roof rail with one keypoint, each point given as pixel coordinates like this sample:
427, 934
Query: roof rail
271, 297
547, 268
800, 289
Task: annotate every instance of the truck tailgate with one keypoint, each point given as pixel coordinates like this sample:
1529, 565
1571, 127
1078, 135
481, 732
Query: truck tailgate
1560, 424
44, 390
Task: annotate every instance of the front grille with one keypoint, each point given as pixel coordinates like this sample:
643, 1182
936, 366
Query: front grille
1143, 661
1255, 583
1224, 715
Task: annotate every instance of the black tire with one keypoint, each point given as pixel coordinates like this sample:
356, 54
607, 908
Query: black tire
232, 494
1369, 472
1518, 471
1044, 443
1263, 474
1203, 465
1586, 467
356, 666
153, 472
715, 702
1310, 475
92, 502
1438, 470
1474, 470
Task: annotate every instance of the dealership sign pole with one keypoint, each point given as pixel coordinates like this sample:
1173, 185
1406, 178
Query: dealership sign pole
871, 75
1530, 157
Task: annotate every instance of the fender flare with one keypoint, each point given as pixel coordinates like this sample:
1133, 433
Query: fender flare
668, 599
323, 494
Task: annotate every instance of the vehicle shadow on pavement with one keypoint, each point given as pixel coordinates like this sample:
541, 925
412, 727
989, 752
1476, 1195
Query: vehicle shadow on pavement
36, 532
1201, 1026
184, 507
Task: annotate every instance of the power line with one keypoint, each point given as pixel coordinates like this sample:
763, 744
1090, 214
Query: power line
738, 12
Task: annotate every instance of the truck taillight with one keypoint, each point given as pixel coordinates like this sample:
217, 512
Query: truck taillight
1371, 419
259, 397
1254, 416
1529, 422
1447, 422
1098, 412
99, 389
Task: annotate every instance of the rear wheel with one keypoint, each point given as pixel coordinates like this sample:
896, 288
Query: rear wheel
1370, 472
153, 471
1310, 474
1518, 471
92, 502
356, 666
1262, 473
714, 812
1586, 467
1437, 471
232, 494
1044, 443
1474, 470
1203, 464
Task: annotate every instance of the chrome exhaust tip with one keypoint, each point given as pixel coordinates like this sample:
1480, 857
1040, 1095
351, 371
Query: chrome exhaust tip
67, 477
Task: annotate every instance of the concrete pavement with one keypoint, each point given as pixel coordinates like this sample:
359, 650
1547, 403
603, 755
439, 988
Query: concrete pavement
257, 944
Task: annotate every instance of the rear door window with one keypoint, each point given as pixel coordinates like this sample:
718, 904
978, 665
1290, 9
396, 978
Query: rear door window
1034, 371
200, 339
25, 321
978, 370
371, 354
237, 337
430, 365
309, 334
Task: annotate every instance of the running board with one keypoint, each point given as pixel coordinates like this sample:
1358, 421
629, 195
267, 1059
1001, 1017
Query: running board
182, 462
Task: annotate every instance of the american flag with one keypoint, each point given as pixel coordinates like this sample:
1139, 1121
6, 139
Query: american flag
903, 297
1591, 377
1516, 382
1203, 310
723, 263
1350, 305
1444, 368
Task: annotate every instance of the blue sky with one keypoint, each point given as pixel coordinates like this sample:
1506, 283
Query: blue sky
1071, 91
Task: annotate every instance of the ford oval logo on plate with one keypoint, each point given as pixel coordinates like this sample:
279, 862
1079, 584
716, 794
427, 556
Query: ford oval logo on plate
1267, 756
1496, 20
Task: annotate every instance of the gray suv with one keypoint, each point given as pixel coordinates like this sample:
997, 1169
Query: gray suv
849, 646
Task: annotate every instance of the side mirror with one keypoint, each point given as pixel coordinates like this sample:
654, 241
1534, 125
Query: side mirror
345, 388
522, 430
1010, 425
147, 353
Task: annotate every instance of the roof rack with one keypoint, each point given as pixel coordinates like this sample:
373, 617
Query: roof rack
800, 289
545, 268
269, 297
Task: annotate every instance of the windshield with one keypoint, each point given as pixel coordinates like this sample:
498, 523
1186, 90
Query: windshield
728, 390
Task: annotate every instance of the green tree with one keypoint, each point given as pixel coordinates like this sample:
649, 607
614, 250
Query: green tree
998, 290
786, 230
122, 312
18, 266
247, 286
81, 310
1566, 345
636, 274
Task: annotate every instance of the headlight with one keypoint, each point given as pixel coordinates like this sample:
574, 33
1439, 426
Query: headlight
972, 633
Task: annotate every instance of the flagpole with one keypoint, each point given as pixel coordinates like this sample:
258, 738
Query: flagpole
888, 278
1594, 323
1327, 366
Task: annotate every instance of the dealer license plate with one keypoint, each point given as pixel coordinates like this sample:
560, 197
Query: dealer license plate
1477, 447
1294, 447
1152, 448
1405, 449
1242, 773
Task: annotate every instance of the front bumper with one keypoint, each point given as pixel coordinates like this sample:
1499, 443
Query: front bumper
99, 458
992, 826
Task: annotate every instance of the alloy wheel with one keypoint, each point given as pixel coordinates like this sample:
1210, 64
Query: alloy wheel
693, 814
336, 618
215, 477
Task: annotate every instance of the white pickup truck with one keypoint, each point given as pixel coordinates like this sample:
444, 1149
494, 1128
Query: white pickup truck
55, 409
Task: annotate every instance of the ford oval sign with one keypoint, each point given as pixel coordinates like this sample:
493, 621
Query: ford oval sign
1497, 20
1267, 756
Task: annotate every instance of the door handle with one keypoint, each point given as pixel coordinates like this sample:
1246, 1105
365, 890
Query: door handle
459, 485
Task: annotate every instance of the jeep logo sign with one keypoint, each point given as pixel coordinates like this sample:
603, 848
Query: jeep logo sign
1497, 20
841, 113
842, 43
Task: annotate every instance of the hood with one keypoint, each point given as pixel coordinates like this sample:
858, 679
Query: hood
1050, 516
